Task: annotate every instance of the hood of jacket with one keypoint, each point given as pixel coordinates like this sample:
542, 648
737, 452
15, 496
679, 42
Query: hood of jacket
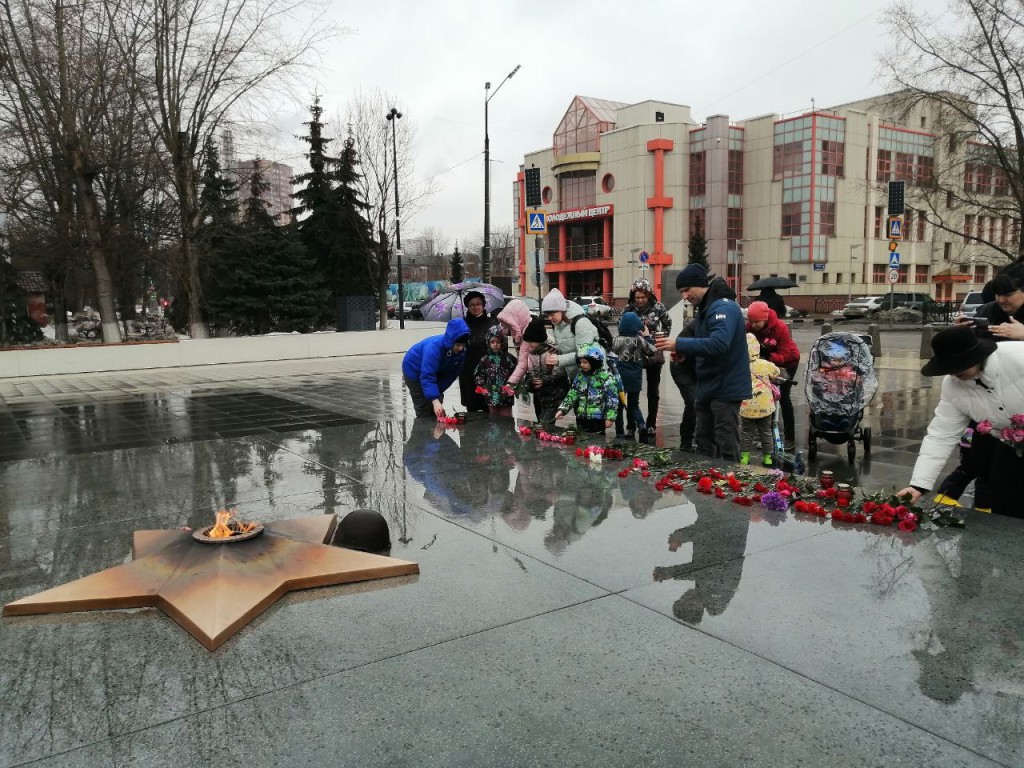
516, 315
753, 347
717, 289
630, 324
455, 330
643, 284
496, 332
594, 354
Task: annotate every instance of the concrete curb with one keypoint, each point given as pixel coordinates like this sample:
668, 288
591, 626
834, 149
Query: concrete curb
190, 352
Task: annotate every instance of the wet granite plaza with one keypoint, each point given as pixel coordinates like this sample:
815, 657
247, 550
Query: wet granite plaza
563, 616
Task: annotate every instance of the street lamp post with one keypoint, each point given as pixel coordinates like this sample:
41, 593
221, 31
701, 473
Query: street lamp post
393, 117
485, 256
850, 291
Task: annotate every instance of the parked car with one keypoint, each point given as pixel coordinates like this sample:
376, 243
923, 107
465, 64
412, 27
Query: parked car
392, 309
909, 300
864, 306
530, 301
969, 306
411, 309
594, 305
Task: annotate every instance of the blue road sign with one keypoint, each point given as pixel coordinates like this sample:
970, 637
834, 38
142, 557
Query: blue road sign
537, 223
644, 257
894, 260
819, 267
896, 228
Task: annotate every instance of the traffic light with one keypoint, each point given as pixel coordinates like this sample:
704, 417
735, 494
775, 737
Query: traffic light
533, 199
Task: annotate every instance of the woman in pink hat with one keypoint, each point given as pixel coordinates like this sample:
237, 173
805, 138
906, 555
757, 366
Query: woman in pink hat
777, 346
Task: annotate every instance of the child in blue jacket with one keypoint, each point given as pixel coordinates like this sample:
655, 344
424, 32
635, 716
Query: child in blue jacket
634, 354
432, 365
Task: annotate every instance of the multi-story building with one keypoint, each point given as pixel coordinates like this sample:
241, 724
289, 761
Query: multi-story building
802, 196
277, 177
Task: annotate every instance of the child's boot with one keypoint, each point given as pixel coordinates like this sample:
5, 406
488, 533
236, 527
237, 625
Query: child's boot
767, 460
745, 457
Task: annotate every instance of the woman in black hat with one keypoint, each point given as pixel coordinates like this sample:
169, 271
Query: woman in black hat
984, 382
478, 322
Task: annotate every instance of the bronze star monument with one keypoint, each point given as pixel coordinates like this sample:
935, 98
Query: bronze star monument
213, 590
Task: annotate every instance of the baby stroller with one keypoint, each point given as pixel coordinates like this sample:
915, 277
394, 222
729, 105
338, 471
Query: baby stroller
840, 383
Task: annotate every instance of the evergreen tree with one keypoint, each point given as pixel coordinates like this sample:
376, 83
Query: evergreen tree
16, 327
265, 278
333, 228
698, 249
458, 266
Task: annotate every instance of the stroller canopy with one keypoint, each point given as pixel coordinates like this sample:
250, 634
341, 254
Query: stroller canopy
841, 376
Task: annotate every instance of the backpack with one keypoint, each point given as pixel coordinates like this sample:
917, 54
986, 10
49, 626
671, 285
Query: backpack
604, 336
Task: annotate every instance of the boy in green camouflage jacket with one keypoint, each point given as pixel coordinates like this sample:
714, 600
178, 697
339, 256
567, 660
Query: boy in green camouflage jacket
594, 394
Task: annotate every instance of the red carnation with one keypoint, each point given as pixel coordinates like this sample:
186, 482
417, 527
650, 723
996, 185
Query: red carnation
720, 493
623, 473
907, 525
704, 485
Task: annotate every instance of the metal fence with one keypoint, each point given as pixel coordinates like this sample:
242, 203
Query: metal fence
939, 311
824, 305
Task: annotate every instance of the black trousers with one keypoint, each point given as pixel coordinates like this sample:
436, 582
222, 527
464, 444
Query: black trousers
421, 404
687, 386
786, 407
718, 429
653, 394
1006, 481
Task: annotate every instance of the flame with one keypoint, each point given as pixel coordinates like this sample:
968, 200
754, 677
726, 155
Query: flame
221, 530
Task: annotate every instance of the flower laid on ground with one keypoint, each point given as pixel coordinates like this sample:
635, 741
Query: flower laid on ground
447, 420
525, 431
775, 500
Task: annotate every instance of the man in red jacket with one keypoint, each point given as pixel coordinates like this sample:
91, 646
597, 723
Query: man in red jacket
777, 345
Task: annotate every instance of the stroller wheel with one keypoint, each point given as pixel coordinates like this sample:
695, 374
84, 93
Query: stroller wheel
866, 437
851, 450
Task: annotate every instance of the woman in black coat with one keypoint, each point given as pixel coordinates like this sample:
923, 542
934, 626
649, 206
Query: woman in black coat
478, 322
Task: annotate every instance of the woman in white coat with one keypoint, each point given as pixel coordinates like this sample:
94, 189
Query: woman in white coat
984, 381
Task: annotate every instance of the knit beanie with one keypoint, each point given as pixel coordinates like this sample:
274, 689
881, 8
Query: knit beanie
554, 302
692, 276
757, 311
535, 331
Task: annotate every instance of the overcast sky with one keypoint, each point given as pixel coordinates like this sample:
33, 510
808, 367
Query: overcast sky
741, 58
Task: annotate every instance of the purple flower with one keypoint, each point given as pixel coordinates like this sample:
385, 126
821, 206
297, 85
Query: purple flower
1017, 420
774, 501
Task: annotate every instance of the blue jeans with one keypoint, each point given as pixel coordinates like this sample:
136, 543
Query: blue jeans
634, 416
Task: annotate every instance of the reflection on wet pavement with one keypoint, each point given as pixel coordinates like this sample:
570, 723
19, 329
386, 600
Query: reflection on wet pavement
550, 589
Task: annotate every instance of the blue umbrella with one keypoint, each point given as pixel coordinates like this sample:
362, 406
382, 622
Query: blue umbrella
449, 302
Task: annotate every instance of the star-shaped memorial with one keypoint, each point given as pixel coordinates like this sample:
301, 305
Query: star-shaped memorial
213, 590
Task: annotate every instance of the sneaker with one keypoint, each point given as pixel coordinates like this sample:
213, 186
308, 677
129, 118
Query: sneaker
767, 460
648, 436
745, 458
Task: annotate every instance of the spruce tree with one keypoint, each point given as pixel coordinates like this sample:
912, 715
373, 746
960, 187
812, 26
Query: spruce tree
458, 266
333, 228
266, 278
218, 206
16, 327
698, 249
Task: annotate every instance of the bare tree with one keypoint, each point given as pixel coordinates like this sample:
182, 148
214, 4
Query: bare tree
60, 77
973, 77
199, 61
503, 251
373, 136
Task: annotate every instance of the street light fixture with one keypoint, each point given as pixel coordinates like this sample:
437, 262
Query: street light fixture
393, 117
485, 256
850, 292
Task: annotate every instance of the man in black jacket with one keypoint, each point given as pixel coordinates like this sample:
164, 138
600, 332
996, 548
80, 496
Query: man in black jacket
1005, 315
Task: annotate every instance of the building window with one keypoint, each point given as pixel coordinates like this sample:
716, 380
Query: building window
878, 272
1004, 235
827, 219
697, 221
949, 199
983, 178
925, 172
832, 158
979, 273
791, 215
607, 183
792, 277
947, 251
1002, 183
921, 273
698, 173
735, 171
580, 130
968, 227
734, 228
546, 195
884, 168
904, 166
789, 159
908, 224
921, 221
577, 189
879, 222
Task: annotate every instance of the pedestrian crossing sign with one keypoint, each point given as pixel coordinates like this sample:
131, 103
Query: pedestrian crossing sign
536, 223
894, 260
896, 228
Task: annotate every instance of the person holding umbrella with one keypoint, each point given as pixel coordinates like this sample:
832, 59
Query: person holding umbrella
775, 302
479, 323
